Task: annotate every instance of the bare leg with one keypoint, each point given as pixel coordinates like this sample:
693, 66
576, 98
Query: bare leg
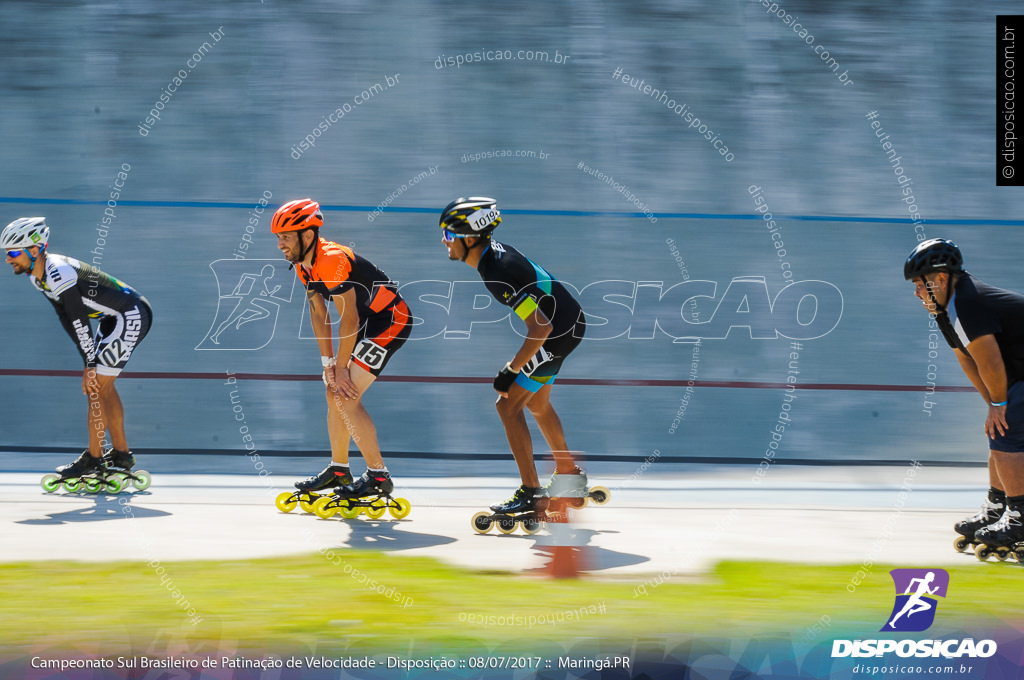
518, 432
113, 412
336, 430
94, 412
551, 427
354, 421
97, 428
1010, 468
993, 473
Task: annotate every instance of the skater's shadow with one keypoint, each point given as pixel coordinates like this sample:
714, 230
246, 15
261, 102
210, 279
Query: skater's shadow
106, 507
592, 558
388, 536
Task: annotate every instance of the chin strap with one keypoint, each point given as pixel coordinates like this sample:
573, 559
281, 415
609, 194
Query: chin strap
949, 286
942, 317
32, 259
939, 309
481, 240
302, 255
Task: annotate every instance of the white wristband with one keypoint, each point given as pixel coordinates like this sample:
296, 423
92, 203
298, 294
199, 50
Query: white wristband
328, 361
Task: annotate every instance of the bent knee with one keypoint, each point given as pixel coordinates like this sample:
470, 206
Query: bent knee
506, 407
538, 405
105, 383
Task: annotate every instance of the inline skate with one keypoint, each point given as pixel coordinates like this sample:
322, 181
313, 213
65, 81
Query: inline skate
990, 513
92, 475
525, 508
370, 495
330, 477
121, 464
573, 486
1003, 538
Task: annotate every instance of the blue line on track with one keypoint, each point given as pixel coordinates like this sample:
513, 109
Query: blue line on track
549, 213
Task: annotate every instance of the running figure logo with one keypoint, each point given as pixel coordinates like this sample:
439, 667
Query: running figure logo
247, 316
914, 611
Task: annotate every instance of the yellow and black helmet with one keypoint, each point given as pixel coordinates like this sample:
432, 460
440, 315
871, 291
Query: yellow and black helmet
473, 216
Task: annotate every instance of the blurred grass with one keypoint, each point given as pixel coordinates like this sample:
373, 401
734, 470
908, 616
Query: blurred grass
308, 602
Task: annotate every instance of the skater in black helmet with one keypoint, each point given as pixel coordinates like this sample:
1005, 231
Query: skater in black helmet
555, 326
984, 326
79, 293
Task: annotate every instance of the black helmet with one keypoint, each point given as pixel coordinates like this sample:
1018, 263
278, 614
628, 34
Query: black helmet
473, 216
933, 255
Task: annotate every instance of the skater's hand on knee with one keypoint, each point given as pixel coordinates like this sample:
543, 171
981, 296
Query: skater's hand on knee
995, 424
503, 381
344, 385
89, 384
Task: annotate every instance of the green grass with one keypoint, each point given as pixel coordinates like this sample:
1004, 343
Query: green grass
306, 602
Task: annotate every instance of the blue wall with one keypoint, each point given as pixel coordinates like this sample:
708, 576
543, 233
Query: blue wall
78, 82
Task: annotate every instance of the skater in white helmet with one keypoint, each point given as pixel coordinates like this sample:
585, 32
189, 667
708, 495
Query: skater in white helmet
81, 293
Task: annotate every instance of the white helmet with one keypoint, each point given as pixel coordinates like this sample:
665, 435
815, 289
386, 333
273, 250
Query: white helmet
25, 232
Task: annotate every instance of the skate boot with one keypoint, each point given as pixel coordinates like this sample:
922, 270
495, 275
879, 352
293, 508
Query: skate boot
121, 460
991, 511
525, 508
85, 464
334, 475
331, 476
1003, 537
370, 495
568, 485
525, 499
372, 482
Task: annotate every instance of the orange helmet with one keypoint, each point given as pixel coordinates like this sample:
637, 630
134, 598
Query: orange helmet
297, 215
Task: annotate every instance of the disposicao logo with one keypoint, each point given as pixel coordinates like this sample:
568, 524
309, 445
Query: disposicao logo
914, 611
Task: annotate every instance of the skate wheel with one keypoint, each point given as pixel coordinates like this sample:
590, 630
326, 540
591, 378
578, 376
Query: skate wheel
1019, 555
376, 508
600, 494
92, 485
323, 508
481, 522
348, 510
306, 502
960, 544
285, 501
115, 483
50, 482
72, 485
1002, 554
506, 525
399, 508
531, 526
577, 503
142, 480
982, 552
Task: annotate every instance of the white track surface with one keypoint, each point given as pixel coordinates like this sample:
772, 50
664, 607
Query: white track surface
653, 525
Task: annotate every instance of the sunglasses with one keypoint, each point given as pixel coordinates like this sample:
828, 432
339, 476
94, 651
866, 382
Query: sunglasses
15, 253
450, 236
